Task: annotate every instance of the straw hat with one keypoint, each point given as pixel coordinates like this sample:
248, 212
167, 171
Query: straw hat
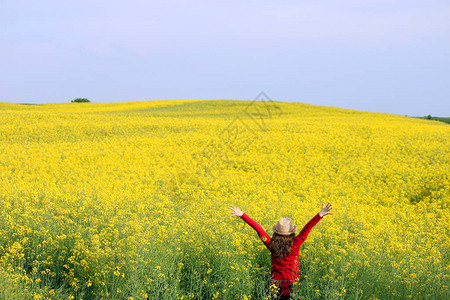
284, 227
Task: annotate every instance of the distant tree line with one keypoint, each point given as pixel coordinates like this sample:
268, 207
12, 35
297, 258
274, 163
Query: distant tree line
442, 119
80, 100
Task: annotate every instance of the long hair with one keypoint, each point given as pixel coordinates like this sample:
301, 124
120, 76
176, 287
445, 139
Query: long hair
281, 245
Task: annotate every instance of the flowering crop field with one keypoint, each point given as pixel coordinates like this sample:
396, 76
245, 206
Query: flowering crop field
129, 200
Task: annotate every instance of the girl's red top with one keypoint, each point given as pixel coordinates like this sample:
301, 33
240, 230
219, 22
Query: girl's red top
287, 268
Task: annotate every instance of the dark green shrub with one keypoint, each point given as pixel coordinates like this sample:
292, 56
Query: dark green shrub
80, 100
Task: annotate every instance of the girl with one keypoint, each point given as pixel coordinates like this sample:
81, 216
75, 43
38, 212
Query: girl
284, 247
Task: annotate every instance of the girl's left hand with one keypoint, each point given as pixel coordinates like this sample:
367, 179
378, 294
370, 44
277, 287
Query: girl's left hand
235, 211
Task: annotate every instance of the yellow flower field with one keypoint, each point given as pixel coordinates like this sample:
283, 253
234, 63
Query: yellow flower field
129, 200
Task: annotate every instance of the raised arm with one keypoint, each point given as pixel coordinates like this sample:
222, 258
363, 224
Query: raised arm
307, 229
259, 230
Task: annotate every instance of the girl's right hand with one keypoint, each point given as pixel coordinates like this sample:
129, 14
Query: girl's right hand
325, 210
235, 211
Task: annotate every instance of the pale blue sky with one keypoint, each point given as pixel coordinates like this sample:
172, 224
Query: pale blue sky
374, 55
